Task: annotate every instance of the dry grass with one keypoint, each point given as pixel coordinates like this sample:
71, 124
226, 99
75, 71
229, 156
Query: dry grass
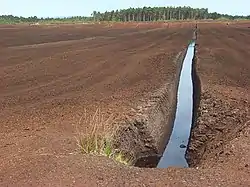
95, 136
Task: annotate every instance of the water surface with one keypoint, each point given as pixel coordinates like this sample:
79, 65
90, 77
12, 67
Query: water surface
174, 155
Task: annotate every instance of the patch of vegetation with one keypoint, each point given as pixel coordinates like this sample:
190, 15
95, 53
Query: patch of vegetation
161, 14
10, 19
97, 139
144, 14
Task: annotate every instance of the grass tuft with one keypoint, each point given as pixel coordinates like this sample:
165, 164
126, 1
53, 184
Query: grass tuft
108, 149
97, 137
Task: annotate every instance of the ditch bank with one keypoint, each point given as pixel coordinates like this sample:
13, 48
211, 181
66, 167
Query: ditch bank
220, 114
219, 120
144, 134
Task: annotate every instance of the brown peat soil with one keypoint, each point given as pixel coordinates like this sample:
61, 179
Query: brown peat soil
49, 75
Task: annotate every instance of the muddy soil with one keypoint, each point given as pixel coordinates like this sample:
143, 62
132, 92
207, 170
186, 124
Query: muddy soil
51, 75
46, 85
223, 114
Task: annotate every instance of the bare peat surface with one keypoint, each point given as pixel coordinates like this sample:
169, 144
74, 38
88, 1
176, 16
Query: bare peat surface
51, 74
46, 87
221, 136
175, 152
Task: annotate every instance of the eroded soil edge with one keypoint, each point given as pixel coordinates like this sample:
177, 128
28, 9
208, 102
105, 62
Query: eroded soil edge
144, 135
218, 118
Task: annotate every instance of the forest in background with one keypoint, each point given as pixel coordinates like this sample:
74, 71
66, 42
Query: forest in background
131, 14
10, 19
161, 14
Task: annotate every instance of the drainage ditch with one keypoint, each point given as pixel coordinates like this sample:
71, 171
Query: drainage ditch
175, 152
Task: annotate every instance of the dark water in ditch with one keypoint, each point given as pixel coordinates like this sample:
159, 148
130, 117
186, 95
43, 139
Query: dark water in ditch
174, 155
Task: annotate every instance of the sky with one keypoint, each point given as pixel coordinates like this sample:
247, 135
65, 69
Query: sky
65, 8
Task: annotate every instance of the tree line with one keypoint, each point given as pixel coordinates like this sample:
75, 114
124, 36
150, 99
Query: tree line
131, 14
161, 14
10, 19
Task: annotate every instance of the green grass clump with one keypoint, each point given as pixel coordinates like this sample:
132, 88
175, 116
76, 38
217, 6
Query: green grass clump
98, 139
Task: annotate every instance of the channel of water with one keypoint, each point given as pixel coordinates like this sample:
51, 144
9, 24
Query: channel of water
174, 154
